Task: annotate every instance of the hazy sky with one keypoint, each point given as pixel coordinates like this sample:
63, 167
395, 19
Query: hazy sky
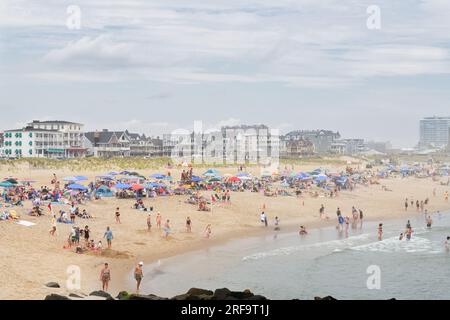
154, 66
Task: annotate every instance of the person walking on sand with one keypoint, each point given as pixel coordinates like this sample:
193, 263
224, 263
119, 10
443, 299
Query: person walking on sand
109, 236
188, 225
105, 277
406, 204
361, 216
380, 231
118, 215
166, 229
322, 212
446, 195
53, 229
138, 275
208, 231
158, 220
149, 222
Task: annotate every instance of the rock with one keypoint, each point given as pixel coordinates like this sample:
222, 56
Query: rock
102, 294
74, 295
53, 285
256, 298
185, 296
54, 296
328, 298
221, 294
198, 292
241, 295
123, 295
145, 297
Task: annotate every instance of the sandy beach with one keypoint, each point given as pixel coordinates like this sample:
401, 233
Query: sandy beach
31, 257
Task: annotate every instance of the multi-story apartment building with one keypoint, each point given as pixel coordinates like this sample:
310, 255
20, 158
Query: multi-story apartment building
107, 144
434, 132
45, 139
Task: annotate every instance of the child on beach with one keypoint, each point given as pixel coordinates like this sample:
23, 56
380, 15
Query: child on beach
380, 231
208, 231
188, 225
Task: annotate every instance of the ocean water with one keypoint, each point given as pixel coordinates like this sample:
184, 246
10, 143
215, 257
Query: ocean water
325, 262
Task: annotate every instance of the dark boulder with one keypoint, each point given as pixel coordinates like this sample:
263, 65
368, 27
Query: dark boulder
53, 285
54, 296
123, 295
101, 294
74, 295
145, 297
198, 292
221, 294
327, 298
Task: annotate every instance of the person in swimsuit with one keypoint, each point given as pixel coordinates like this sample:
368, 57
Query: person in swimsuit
380, 231
149, 222
302, 231
188, 225
105, 277
53, 229
429, 222
167, 229
447, 244
401, 236
138, 275
86, 235
158, 220
109, 236
361, 216
117, 215
277, 222
408, 233
208, 231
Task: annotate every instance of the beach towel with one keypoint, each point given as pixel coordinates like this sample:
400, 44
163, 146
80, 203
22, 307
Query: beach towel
25, 223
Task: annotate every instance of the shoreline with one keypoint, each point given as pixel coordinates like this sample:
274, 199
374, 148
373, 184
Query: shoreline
252, 232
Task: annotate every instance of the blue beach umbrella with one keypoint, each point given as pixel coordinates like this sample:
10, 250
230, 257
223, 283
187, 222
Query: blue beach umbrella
81, 178
157, 176
76, 186
122, 186
70, 179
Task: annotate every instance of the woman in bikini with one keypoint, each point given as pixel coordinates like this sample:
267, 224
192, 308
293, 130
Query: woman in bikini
105, 277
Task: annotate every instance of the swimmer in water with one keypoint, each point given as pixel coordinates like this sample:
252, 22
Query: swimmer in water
408, 233
429, 222
302, 231
401, 237
447, 244
380, 231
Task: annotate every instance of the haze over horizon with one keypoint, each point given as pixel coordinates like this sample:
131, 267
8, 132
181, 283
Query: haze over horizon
155, 66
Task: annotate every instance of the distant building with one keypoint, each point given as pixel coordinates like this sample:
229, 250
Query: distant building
45, 139
292, 149
379, 146
107, 144
434, 132
321, 139
143, 146
348, 146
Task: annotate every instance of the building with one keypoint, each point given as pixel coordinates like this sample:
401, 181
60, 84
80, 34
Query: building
293, 149
143, 146
45, 139
380, 146
434, 132
107, 144
348, 146
231, 144
321, 139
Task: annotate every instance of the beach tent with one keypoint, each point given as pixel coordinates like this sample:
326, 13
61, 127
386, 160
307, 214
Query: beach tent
104, 191
76, 186
122, 186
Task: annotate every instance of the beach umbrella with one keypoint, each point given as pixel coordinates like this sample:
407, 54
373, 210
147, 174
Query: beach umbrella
321, 177
211, 173
245, 178
122, 186
113, 173
76, 186
81, 178
214, 179
12, 181
242, 174
6, 184
196, 179
136, 187
157, 176
233, 179
70, 179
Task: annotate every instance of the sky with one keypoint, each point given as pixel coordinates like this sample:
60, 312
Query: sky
156, 66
